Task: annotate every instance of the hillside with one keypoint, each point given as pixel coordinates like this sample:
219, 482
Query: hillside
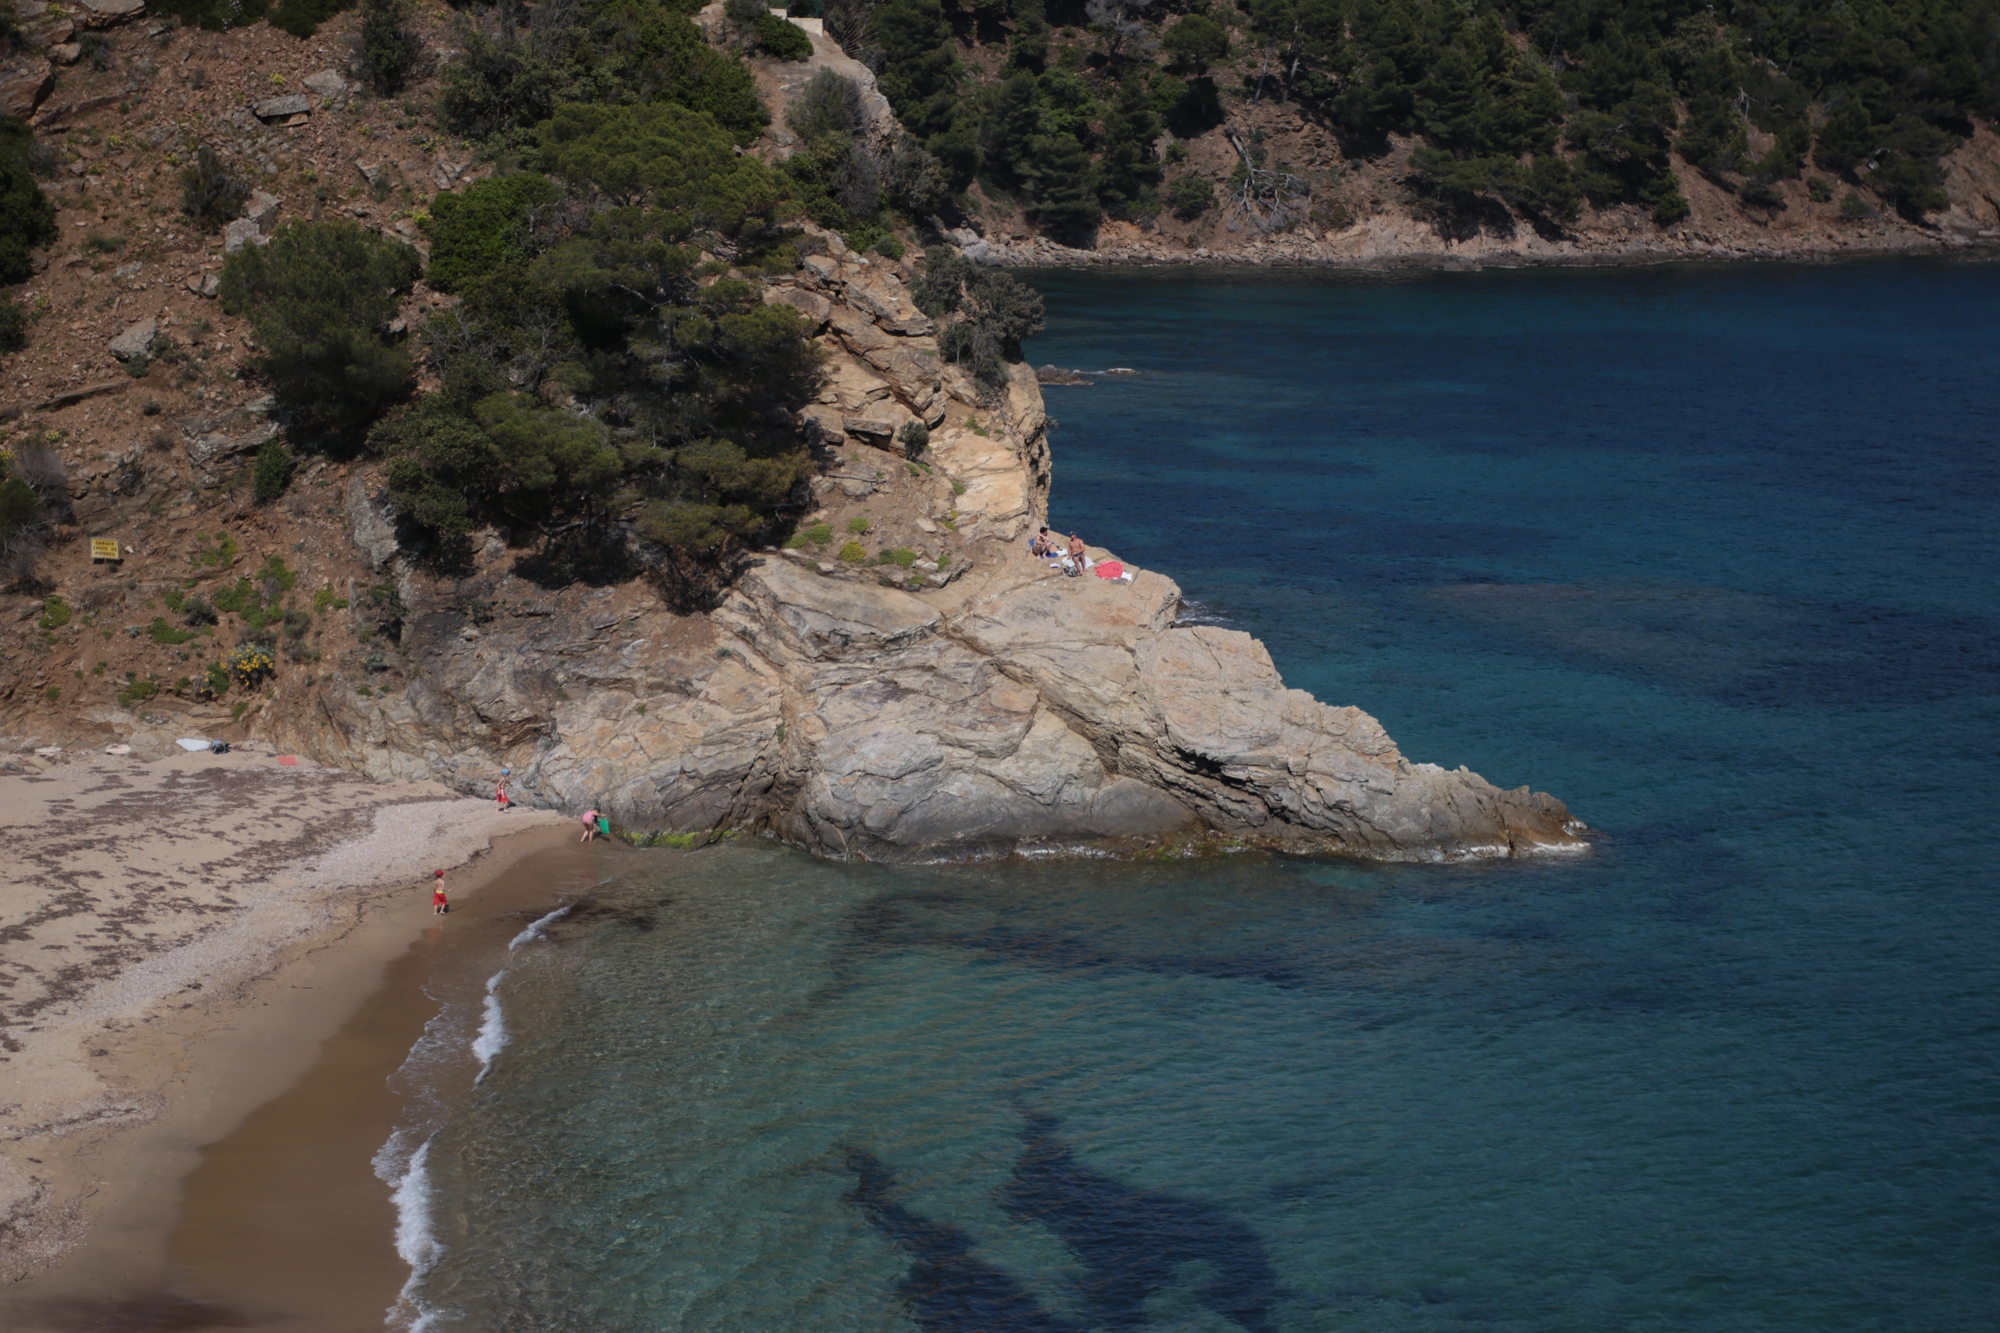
1394, 131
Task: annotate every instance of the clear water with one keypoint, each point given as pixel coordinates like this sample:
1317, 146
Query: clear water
1713, 555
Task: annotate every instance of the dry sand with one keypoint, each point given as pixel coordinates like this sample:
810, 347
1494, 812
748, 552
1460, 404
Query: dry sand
163, 961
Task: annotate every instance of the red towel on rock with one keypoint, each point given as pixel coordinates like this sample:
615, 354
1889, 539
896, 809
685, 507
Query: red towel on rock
1108, 569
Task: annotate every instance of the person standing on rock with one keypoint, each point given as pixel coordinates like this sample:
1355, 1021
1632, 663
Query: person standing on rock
500, 792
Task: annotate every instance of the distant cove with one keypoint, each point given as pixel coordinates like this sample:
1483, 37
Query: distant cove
1710, 553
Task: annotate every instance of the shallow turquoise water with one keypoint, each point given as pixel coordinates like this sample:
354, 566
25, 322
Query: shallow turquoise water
1712, 555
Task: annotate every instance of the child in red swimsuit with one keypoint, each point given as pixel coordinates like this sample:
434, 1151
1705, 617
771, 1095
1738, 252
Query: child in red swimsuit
439, 905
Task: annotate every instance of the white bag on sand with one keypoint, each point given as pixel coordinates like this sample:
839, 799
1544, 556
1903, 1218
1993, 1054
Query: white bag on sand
191, 745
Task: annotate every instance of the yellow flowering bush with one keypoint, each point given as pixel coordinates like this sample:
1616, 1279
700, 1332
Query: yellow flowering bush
251, 663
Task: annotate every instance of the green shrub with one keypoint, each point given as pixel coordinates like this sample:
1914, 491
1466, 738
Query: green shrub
1819, 189
301, 18
482, 232
196, 611
900, 555
161, 632
915, 437
317, 296
27, 220
215, 680
783, 39
211, 194
858, 524
1191, 196
854, 553
983, 313
325, 598
273, 471
56, 613
388, 47
138, 691
13, 325
250, 664
1853, 208
277, 578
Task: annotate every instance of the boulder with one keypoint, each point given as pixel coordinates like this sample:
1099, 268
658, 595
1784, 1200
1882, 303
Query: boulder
326, 82
242, 232
203, 284
109, 13
23, 85
262, 209
136, 340
208, 448
279, 108
370, 522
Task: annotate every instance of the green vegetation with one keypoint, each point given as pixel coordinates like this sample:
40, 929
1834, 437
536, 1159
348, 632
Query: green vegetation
982, 314
161, 632
318, 297
1531, 105
138, 691
605, 51
846, 181
854, 553
599, 378
13, 325
27, 219
858, 524
55, 612
33, 495
388, 47
900, 555
273, 471
211, 194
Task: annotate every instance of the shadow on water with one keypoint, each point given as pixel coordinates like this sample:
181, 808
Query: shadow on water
157, 1312
1135, 1246
946, 1289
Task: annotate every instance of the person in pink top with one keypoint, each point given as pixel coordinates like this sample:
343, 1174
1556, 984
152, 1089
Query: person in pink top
589, 825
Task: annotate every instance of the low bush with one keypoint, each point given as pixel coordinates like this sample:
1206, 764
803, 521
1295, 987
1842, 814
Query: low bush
915, 437
780, 38
854, 553
1190, 196
27, 220
161, 632
211, 194
273, 471
13, 325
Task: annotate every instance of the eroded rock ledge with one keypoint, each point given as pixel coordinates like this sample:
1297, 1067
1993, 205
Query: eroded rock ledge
968, 702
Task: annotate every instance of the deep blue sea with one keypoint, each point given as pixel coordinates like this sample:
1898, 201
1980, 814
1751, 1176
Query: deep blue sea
1712, 554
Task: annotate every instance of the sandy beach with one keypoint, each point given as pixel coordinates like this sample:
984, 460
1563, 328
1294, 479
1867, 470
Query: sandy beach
178, 942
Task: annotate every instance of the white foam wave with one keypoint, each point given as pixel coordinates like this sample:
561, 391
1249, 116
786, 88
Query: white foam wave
492, 1038
535, 932
416, 1240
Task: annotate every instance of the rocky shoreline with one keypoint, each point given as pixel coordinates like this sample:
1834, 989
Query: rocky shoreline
1363, 250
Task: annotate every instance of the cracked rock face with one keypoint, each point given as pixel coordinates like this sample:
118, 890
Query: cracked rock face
893, 713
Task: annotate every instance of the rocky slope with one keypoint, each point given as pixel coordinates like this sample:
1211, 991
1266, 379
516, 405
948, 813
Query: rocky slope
907, 681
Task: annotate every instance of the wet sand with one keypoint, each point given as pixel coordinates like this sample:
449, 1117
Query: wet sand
260, 1208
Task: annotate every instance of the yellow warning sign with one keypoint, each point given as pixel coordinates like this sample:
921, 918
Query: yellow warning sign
104, 548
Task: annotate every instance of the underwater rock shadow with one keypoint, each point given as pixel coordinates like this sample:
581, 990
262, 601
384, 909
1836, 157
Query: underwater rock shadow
946, 1289
1133, 1244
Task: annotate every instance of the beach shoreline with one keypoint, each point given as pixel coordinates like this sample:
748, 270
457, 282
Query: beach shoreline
178, 940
